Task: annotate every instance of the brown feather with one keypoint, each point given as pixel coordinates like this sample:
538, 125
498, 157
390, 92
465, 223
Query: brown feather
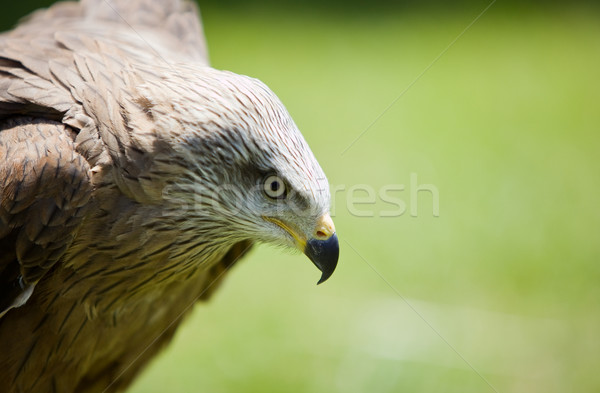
77, 193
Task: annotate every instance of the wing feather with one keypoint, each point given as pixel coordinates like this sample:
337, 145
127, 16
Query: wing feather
44, 194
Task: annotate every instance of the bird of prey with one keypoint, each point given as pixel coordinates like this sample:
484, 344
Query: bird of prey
132, 175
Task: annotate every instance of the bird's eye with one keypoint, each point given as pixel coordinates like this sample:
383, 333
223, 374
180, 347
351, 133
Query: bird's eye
274, 187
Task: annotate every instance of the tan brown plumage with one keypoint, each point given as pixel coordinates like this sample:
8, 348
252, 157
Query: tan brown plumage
132, 177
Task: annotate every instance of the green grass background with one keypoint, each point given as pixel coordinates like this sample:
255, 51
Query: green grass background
502, 287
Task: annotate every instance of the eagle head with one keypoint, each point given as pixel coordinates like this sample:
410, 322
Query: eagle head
245, 170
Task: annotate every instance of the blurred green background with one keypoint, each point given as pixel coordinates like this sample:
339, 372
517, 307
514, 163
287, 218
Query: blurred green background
502, 287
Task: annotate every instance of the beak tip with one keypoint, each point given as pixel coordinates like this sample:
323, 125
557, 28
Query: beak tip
323, 278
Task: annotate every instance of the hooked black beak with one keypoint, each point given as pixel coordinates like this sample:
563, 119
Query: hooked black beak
322, 248
324, 254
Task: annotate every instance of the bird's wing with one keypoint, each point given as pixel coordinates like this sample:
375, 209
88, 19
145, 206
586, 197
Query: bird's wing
44, 195
56, 56
170, 29
76, 63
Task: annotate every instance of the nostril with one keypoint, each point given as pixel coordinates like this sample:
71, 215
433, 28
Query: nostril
321, 234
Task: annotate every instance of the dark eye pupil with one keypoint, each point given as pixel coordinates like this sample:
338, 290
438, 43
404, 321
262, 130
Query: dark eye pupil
274, 186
